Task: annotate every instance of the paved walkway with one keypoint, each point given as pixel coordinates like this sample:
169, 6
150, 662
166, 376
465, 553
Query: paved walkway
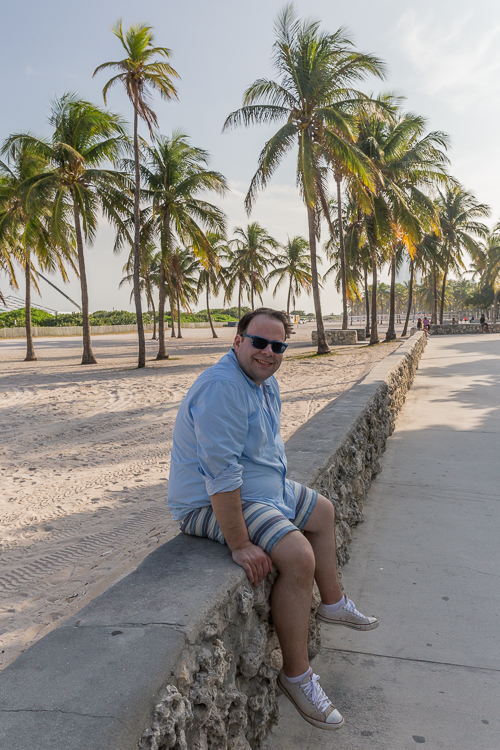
427, 562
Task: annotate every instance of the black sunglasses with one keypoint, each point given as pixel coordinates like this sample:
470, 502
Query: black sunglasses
259, 342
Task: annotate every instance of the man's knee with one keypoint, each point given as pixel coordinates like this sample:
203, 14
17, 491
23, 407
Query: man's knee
322, 519
294, 555
326, 507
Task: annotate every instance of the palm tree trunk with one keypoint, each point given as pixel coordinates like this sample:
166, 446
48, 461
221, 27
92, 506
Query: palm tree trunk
391, 329
323, 347
172, 315
137, 251
495, 307
88, 355
443, 292
179, 334
345, 319
374, 334
162, 352
30, 349
410, 300
151, 302
214, 335
251, 292
288, 304
239, 300
326, 211
367, 304
435, 296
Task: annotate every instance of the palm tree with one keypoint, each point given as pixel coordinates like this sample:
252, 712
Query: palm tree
139, 70
316, 73
235, 275
184, 264
256, 248
406, 162
210, 278
84, 137
175, 173
149, 274
458, 214
294, 268
28, 231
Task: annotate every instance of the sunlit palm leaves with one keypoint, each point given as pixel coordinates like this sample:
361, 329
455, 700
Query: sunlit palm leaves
311, 101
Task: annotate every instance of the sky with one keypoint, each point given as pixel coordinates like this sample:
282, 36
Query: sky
443, 57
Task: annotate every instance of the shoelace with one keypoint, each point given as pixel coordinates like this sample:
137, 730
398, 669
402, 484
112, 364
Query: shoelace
349, 607
315, 693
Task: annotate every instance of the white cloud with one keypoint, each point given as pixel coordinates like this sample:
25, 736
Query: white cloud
31, 72
454, 60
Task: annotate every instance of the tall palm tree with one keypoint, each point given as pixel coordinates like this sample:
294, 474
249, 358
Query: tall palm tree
142, 68
175, 174
256, 252
84, 138
27, 228
293, 267
316, 71
210, 278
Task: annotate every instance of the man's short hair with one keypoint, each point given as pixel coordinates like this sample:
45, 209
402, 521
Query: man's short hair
268, 312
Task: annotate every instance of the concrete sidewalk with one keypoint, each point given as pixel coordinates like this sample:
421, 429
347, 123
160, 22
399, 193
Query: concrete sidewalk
426, 561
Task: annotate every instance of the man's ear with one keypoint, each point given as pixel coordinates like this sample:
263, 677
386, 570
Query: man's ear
237, 341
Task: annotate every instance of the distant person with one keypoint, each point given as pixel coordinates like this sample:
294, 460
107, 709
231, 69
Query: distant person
420, 325
228, 482
427, 325
465, 318
484, 324
453, 321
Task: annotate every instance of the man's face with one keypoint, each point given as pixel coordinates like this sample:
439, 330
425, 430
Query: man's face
259, 364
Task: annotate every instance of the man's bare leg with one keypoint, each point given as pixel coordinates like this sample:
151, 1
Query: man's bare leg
320, 532
291, 598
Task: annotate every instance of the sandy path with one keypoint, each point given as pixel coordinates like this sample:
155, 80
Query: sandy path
84, 459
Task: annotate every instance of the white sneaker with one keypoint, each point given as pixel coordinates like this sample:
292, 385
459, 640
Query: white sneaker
347, 615
311, 702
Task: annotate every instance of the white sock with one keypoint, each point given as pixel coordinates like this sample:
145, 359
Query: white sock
337, 605
300, 678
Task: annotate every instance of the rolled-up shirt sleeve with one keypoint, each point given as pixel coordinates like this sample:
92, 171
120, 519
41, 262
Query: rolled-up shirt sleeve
220, 416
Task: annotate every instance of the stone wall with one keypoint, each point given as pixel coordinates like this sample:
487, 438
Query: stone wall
448, 328
181, 654
338, 451
20, 333
336, 337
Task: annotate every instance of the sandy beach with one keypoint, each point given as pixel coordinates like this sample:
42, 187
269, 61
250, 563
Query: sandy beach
84, 460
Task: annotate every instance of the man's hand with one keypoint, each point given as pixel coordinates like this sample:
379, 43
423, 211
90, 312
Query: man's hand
255, 562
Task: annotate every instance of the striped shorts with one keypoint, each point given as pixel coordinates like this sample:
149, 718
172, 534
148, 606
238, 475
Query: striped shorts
265, 524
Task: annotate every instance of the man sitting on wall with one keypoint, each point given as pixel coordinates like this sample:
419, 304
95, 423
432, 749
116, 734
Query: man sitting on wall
228, 482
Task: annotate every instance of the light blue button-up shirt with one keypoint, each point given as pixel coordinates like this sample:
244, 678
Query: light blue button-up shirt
224, 439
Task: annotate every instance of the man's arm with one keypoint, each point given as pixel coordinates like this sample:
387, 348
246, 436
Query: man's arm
229, 514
